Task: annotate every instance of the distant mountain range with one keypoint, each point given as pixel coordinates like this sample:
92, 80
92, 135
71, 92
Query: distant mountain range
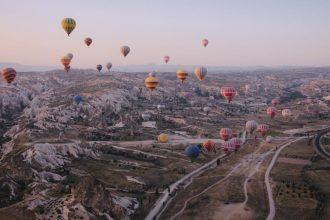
158, 68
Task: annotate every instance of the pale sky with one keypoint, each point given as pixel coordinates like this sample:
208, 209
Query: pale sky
240, 32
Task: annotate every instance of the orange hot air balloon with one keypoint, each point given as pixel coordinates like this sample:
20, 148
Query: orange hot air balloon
200, 72
125, 50
67, 68
8, 74
228, 93
225, 133
166, 59
182, 75
209, 145
151, 83
262, 129
286, 113
65, 61
271, 111
205, 42
88, 41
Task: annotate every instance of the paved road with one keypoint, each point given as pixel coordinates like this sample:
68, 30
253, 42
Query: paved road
317, 145
271, 203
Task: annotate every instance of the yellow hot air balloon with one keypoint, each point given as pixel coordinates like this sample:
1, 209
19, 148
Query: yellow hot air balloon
68, 24
162, 138
182, 75
151, 83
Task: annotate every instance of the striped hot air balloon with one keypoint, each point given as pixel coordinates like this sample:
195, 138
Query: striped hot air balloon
286, 113
237, 142
151, 83
125, 50
271, 112
200, 72
262, 129
228, 146
88, 41
166, 59
181, 75
225, 133
205, 42
68, 24
251, 126
8, 74
228, 93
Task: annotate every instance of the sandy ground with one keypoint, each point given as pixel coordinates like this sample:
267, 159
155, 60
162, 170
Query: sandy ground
293, 161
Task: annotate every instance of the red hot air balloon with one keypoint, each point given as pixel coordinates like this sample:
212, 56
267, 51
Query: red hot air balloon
8, 74
205, 42
237, 142
271, 111
228, 93
262, 129
225, 133
88, 41
166, 59
209, 145
228, 146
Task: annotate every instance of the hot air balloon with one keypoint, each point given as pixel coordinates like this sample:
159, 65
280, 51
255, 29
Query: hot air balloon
275, 101
160, 107
68, 24
109, 65
125, 50
271, 112
228, 93
162, 138
77, 99
209, 145
192, 151
286, 113
146, 116
181, 75
151, 83
70, 55
152, 74
262, 129
237, 142
166, 59
99, 67
88, 41
205, 42
65, 60
67, 68
207, 110
225, 133
269, 139
251, 126
200, 72
8, 74
228, 146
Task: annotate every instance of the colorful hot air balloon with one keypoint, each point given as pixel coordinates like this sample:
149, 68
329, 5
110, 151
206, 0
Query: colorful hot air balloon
192, 151
262, 129
271, 112
151, 83
166, 59
286, 113
251, 126
205, 42
207, 110
275, 101
162, 138
8, 74
99, 67
77, 99
228, 93
68, 24
70, 55
88, 41
237, 142
225, 133
67, 68
146, 116
200, 72
125, 50
109, 65
228, 146
269, 139
209, 145
65, 60
181, 75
